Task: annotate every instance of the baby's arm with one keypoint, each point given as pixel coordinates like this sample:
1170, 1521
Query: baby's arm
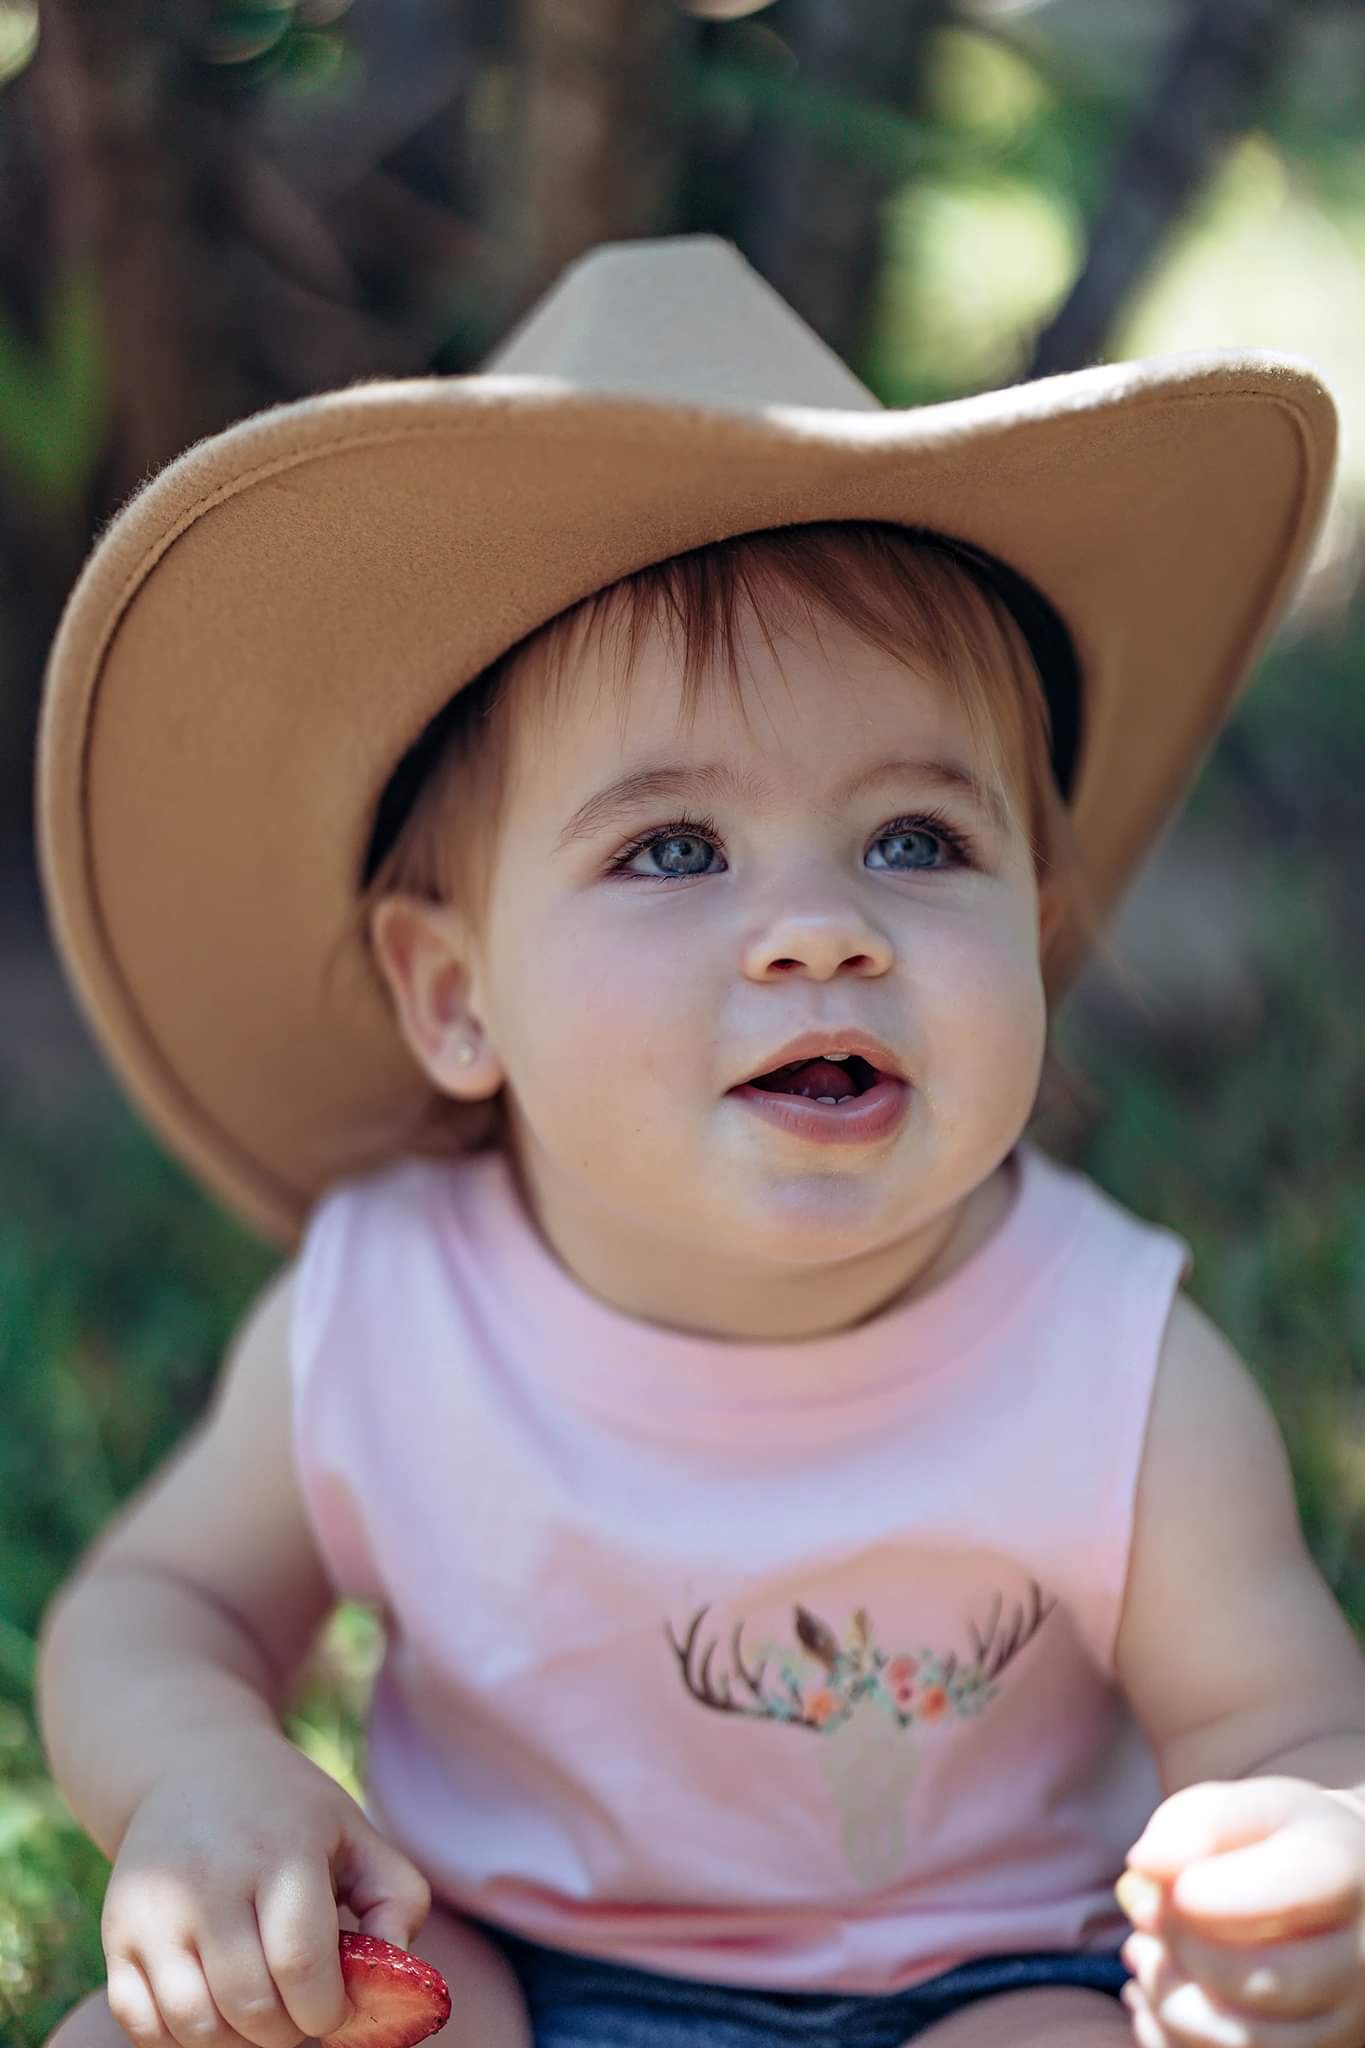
1250, 1684
164, 1664
190, 1611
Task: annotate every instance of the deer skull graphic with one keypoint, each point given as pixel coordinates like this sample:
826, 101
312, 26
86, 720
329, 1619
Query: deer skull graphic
869, 1766
863, 1703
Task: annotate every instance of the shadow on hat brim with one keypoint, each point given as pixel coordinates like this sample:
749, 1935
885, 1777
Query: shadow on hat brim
262, 631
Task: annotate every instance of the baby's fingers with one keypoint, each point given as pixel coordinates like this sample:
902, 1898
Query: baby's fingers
131, 2002
1303, 1880
1171, 2010
186, 2012
240, 1980
1281, 1980
300, 1935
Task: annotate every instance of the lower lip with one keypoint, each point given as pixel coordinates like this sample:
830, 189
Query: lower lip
854, 1121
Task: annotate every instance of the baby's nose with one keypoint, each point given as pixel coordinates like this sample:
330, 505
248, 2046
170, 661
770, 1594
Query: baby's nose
818, 943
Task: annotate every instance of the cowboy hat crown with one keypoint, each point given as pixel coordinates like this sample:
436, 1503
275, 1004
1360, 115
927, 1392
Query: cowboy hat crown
685, 318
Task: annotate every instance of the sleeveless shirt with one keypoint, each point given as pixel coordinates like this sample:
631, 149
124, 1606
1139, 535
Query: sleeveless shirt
774, 1663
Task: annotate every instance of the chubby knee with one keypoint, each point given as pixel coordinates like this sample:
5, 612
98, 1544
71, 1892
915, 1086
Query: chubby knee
487, 2009
1047, 2016
88, 2025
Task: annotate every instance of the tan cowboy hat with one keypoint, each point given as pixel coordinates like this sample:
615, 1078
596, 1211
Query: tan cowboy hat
266, 627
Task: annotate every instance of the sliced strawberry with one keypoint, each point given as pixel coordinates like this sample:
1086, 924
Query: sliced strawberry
398, 1999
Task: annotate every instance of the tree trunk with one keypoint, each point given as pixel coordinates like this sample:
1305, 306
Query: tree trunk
1208, 88
142, 197
44, 529
592, 149
811, 212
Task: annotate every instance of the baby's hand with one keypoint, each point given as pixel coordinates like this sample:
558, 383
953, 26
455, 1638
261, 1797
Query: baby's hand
220, 1921
1249, 1904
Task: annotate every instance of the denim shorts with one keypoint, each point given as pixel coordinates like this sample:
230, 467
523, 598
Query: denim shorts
580, 2001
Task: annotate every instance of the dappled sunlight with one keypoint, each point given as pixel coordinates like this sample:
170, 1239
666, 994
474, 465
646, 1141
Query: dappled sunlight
1262, 264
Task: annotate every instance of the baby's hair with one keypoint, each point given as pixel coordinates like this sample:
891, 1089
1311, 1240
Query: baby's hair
915, 595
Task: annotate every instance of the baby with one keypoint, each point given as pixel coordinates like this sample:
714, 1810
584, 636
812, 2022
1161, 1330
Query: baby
821, 1548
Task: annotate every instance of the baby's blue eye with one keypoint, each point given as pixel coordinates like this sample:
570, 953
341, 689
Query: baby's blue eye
910, 848
681, 853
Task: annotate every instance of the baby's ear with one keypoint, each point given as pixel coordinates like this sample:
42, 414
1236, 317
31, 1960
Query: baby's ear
422, 949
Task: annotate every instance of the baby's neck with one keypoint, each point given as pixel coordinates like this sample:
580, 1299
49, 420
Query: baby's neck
739, 1305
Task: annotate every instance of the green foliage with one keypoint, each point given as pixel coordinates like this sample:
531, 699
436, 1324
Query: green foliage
18, 37
103, 1362
298, 46
52, 1878
54, 397
989, 111
852, 128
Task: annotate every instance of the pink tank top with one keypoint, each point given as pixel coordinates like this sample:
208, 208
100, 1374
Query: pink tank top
782, 1664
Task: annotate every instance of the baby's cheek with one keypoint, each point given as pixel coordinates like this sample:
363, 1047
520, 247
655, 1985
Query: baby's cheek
602, 1042
986, 1019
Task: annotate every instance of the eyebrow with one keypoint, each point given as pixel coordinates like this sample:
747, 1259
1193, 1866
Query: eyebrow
715, 778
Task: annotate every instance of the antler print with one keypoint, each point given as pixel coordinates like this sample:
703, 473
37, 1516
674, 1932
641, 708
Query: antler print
701, 1688
919, 1689
992, 1656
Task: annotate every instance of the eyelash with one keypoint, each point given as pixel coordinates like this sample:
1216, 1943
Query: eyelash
957, 842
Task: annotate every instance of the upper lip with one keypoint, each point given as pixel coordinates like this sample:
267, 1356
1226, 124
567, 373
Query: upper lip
831, 1038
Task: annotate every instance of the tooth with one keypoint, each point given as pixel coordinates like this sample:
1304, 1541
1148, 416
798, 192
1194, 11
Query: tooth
827, 1098
837, 1055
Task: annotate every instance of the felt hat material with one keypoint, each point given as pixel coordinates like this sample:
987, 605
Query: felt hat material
262, 631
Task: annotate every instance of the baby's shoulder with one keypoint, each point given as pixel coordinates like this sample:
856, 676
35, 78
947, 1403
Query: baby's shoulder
1102, 1251
1215, 1478
409, 1239
1205, 1394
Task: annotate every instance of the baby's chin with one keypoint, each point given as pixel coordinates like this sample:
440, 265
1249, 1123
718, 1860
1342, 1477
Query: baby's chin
815, 1215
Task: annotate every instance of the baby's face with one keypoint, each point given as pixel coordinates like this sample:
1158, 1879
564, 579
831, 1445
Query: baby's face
672, 906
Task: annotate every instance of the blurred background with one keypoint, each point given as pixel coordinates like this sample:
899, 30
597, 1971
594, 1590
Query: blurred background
207, 206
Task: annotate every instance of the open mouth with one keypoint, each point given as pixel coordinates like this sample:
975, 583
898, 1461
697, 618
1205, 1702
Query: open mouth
829, 1098
820, 1080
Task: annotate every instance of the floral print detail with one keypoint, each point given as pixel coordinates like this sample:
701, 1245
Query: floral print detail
901, 1673
920, 1687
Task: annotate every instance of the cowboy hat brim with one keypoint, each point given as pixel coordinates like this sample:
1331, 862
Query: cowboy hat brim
268, 624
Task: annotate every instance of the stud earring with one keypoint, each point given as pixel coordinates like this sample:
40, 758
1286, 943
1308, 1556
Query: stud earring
465, 1054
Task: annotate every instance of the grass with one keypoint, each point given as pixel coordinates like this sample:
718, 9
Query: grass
120, 1281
